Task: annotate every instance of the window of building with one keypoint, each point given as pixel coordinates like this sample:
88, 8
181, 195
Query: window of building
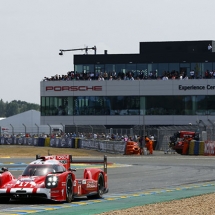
128, 105
142, 70
131, 70
120, 70
109, 68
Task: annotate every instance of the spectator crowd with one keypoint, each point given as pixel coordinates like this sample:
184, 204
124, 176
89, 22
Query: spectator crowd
141, 75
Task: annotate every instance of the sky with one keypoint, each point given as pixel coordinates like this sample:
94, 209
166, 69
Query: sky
33, 31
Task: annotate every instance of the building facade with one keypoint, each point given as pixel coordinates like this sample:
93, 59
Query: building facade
167, 83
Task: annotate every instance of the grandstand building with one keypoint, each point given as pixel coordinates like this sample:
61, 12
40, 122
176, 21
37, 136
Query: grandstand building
166, 83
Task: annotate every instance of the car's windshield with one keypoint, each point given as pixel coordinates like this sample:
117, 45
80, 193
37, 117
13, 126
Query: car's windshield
38, 170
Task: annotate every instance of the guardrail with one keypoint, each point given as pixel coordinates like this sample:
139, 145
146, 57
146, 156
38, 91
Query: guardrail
115, 147
104, 146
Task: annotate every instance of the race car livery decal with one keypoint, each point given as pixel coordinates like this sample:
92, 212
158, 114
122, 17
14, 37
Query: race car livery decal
91, 184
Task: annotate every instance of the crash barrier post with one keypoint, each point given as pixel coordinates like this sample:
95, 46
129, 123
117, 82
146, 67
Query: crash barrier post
191, 147
76, 143
196, 148
201, 147
41, 141
47, 142
132, 148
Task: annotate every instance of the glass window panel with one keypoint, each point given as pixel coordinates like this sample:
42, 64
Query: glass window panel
99, 70
70, 106
53, 106
120, 69
130, 72
47, 109
213, 66
43, 106
62, 105
164, 105
207, 70
211, 105
201, 105
91, 105
78, 68
185, 69
142, 70
197, 69
162, 67
125, 105
87, 70
174, 67
109, 68
189, 105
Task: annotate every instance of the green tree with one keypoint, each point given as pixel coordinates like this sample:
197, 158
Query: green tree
2, 108
15, 107
12, 109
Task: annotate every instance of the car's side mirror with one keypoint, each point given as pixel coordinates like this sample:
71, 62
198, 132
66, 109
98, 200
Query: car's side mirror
71, 169
4, 169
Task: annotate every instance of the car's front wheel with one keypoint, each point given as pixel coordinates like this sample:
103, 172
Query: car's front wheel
69, 189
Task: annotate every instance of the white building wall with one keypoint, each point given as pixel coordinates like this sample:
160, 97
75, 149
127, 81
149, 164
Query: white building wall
129, 88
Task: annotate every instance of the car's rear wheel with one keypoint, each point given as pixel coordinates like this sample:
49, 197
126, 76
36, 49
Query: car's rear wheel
69, 189
100, 187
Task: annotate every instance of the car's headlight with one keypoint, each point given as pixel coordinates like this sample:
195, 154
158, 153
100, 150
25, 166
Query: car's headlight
51, 181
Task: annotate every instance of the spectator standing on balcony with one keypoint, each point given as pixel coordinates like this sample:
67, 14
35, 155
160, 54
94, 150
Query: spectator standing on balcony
100, 78
214, 74
210, 48
92, 75
211, 73
192, 74
207, 74
105, 75
165, 78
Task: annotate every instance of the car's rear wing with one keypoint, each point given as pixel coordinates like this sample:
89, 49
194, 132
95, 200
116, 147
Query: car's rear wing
104, 162
66, 160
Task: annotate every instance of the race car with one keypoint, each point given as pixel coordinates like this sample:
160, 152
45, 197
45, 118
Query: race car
51, 177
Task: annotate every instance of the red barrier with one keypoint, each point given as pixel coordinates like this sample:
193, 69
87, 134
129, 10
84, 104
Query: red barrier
132, 148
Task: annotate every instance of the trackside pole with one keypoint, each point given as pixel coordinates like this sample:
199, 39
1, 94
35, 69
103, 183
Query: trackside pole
105, 163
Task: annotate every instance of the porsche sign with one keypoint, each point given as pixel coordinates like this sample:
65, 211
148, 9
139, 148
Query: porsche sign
73, 88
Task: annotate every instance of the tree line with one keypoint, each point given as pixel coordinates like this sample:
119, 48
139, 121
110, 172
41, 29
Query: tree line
14, 107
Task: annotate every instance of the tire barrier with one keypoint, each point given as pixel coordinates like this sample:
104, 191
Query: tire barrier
201, 147
47, 142
41, 141
132, 148
196, 148
191, 147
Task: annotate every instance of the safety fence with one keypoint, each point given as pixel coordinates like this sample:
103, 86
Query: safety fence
99, 145
115, 147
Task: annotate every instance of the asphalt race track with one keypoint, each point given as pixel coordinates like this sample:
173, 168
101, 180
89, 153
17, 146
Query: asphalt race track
130, 178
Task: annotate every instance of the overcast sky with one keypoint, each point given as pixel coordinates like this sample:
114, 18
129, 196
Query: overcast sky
33, 31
